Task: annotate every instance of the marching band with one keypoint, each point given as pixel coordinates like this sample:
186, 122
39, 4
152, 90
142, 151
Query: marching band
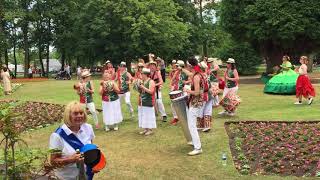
195, 83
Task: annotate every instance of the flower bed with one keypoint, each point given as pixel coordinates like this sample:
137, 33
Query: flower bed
36, 114
283, 148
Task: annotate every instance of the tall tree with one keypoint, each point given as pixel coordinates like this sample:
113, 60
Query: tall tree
274, 27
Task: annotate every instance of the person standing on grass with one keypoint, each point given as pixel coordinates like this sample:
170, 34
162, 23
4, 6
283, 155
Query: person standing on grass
146, 111
156, 77
181, 78
5, 76
110, 69
304, 87
138, 74
85, 90
162, 67
79, 70
124, 80
231, 77
64, 157
111, 107
196, 103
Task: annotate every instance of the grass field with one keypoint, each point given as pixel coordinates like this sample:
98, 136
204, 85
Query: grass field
164, 154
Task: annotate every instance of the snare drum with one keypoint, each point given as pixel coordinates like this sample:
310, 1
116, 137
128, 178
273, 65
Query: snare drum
175, 94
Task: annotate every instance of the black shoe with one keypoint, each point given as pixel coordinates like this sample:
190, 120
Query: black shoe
164, 118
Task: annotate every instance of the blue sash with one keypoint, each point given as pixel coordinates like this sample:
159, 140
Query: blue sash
75, 143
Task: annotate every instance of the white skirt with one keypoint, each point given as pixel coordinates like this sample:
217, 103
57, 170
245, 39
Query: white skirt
147, 117
111, 112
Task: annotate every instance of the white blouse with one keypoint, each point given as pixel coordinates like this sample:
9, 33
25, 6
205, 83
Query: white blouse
85, 135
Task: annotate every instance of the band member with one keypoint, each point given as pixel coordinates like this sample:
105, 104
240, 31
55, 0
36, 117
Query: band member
156, 77
204, 120
146, 111
110, 69
64, 157
174, 82
85, 90
304, 87
180, 78
124, 78
111, 107
230, 101
196, 102
138, 74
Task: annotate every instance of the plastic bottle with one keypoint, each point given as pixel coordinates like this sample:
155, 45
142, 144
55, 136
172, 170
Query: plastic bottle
224, 159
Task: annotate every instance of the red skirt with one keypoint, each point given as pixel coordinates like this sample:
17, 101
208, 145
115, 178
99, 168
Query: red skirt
304, 87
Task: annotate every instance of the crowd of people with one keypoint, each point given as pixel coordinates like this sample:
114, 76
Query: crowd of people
199, 80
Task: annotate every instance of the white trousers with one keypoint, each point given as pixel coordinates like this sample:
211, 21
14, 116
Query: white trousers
227, 90
174, 114
126, 97
207, 110
93, 111
192, 115
160, 105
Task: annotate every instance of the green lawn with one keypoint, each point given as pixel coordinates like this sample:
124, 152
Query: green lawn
163, 155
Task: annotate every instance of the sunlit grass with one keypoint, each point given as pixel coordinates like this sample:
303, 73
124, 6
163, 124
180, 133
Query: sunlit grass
163, 155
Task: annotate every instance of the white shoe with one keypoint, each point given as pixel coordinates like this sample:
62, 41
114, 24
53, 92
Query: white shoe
190, 143
206, 129
222, 113
107, 128
142, 132
298, 103
116, 128
148, 133
231, 114
195, 152
310, 101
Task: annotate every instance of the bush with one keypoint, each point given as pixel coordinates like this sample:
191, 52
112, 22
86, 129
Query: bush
247, 59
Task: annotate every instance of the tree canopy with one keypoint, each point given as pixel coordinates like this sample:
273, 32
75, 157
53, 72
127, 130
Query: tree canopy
274, 27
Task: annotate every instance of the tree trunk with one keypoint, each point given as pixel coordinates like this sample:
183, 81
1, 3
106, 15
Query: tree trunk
15, 58
6, 58
41, 62
48, 58
273, 59
63, 58
26, 49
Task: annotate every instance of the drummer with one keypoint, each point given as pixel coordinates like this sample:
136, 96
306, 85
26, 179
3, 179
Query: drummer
156, 77
204, 121
196, 102
146, 111
124, 78
180, 79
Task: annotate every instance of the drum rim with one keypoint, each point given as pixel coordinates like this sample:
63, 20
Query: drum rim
179, 98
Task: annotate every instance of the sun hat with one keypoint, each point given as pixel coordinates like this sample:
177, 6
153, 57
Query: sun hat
180, 63
85, 74
123, 63
146, 71
203, 65
108, 61
231, 61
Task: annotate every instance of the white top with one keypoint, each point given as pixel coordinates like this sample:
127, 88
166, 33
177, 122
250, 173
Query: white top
302, 71
85, 135
30, 71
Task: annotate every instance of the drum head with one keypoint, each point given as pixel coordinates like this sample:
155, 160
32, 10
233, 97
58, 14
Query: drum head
175, 92
180, 98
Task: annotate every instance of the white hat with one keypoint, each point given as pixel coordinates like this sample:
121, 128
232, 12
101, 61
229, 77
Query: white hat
108, 62
231, 61
123, 63
173, 62
146, 71
158, 59
210, 60
85, 74
140, 65
203, 65
180, 63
